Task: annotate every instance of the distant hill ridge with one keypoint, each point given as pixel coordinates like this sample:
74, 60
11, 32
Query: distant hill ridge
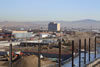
85, 23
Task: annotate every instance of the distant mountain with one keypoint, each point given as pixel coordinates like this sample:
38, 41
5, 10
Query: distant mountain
87, 20
85, 23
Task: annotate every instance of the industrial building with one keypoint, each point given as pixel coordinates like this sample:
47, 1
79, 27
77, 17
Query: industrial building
22, 34
52, 26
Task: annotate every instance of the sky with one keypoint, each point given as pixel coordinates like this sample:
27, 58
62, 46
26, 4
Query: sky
43, 10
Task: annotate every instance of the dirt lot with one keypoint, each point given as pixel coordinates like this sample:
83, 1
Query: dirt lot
27, 61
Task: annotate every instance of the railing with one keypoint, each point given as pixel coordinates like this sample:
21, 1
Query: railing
72, 58
84, 52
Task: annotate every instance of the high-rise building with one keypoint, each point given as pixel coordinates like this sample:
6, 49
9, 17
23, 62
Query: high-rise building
52, 26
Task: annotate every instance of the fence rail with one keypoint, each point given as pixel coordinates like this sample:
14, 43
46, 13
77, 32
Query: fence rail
72, 58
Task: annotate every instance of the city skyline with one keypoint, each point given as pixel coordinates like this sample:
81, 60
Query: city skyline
42, 10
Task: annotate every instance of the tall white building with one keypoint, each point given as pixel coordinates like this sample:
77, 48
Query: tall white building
52, 26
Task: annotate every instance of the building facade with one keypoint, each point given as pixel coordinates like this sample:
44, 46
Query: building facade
52, 26
22, 34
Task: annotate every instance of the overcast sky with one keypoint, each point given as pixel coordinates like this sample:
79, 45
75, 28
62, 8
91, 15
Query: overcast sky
41, 10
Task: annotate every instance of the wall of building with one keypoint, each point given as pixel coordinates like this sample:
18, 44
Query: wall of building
52, 26
22, 34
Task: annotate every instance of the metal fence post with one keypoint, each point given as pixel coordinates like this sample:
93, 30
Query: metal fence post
79, 53
39, 52
84, 51
59, 53
95, 48
10, 55
72, 53
89, 49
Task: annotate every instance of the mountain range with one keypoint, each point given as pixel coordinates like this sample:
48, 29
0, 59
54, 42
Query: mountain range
85, 23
